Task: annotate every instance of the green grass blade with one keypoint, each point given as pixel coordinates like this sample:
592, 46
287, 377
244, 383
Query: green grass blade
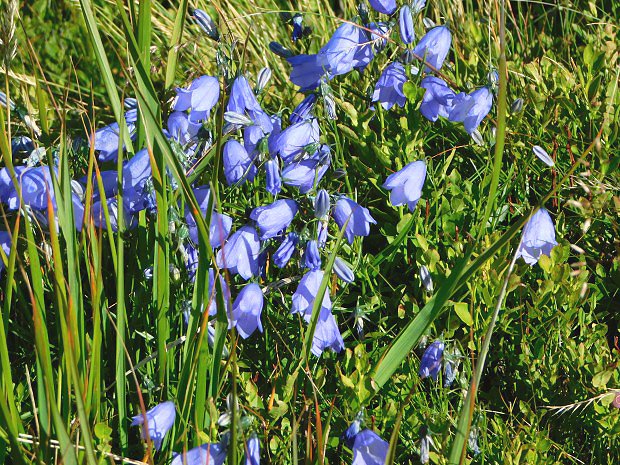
173, 46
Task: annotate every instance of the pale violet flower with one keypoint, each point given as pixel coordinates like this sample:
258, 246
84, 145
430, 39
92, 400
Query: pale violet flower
406, 185
543, 155
538, 237
157, 421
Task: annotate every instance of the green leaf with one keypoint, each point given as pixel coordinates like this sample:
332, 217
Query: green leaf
462, 311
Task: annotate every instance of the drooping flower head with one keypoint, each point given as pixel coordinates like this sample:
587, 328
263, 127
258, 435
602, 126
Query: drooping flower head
405, 23
538, 237
343, 271
252, 451
359, 218
159, 420
389, 87
286, 249
471, 109
292, 142
307, 290
303, 111
238, 166
307, 71
207, 454
326, 334
247, 310
307, 173
437, 100
431, 360
240, 253
312, 257
369, 449
5, 243
273, 182
406, 185
273, 218
219, 226
200, 97
433, 48
386, 7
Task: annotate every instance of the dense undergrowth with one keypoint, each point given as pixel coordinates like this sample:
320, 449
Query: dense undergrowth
548, 391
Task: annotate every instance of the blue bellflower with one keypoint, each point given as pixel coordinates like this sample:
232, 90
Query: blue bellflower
98, 215
307, 173
159, 420
286, 250
369, 449
5, 243
207, 454
307, 71
406, 185
339, 55
238, 166
240, 253
359, 218
181, 129
321, 235
304, 110
307, 290
273, 218
326, 334
348, 437
433, 48
292, 142
538, 237
405, 23
389, 87
471, 109
107, 138
321, 204
252, 451
543, 155
201, 96
212, 310
431, 360
386, 7
437, 100
312, 257
247, 310
219, 225
273, 181
343, 271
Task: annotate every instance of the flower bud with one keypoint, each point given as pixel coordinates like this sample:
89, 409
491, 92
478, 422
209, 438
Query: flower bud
312, 257
343, 271
321, 204
264, 76
425, 277
405, 23
516, 106
280, 50
206, 24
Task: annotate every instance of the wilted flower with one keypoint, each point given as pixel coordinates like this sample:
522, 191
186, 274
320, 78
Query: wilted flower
274, 181
5, 243
538, 237
286, 249
405, 23
369, 449
273, 218
472, 441
201, 96
240, 252
158, 421
321, 235
431, 360
359, 218
543, 155
252, 451
426, 278
471, 109
207, 24
342, 269
425, 445
303, 111
406, 185
207, 454
389, 87
238, 166
433, 48
247, 310
307, 290
321, 204
312, 257
383, 6
437, 100
326, 334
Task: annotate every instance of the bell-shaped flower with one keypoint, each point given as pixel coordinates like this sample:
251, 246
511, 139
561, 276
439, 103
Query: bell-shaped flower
201, 96
312, 257
212, 309
433, 48
358, 217
389, 88
238, 166
252, 451
326, 334
273, 218
293, 141
5, 243
343, 271
437, 100
471, 109
417, 6
405, 24
406, 185
387, 7
7, 188
207, 454
307, 173
181, 129
157, 421
36, 187
303, 111
242, 99
98, 215
240, 253
543, 155
307, 290
321, 204
321, 234
337, 56
369, 449
286, 249
379, 35
307, 71
219, 225
247, 310
538, 237
190, 257
107, 138
273, 180
431, 360
348, 437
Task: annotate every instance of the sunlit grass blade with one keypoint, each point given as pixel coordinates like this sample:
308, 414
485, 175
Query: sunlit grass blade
173, 45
